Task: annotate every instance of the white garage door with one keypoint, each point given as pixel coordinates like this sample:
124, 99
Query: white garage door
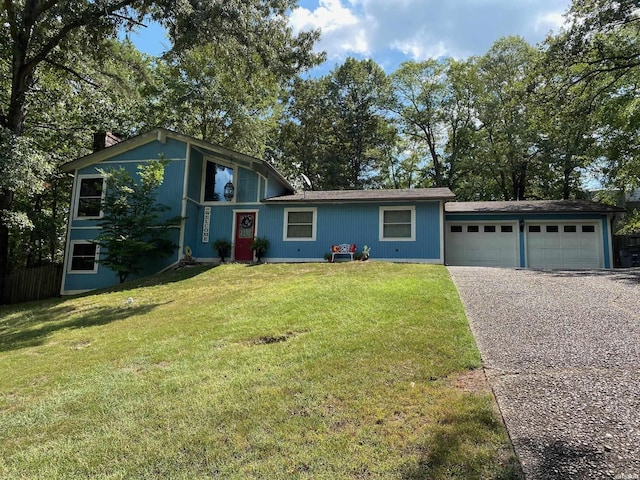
482, 244
564, 245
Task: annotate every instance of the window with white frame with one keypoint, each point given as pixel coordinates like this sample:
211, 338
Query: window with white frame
397, 223
84, 257
89, 201
300, 224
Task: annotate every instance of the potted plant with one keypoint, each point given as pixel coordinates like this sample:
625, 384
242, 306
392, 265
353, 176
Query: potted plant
223, 247
365, 253
260, 245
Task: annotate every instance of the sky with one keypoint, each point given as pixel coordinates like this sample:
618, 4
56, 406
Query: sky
393, 31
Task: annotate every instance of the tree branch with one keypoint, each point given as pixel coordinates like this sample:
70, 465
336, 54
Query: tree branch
72, 72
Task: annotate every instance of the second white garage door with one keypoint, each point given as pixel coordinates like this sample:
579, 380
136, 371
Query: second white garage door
482, 244
564, 245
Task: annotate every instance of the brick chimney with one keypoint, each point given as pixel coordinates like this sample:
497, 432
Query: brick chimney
102, 140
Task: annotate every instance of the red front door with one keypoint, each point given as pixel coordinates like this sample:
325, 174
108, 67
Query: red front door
245, 230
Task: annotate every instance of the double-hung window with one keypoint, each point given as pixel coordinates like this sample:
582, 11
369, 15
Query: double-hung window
397, 224
300, 224
90, 192
84, 257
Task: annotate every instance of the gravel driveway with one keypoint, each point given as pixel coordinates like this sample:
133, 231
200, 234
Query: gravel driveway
561, 350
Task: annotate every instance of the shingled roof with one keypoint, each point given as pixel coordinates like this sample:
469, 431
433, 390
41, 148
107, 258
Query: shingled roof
531, 206
339, 196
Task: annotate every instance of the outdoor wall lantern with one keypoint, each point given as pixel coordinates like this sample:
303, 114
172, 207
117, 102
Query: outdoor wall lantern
522, 225
229, 191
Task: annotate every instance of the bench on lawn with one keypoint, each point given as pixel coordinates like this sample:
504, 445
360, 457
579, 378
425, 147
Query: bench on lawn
343, 249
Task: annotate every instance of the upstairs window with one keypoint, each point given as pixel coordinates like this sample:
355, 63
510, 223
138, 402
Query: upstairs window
397, 224
217, 183
90, 193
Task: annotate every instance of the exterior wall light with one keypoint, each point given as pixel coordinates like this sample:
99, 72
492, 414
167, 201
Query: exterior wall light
229, 191
521, 225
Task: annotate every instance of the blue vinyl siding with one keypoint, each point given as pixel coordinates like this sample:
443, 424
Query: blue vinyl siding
275, 188
246, 186
171, 149
194, 185
353, 223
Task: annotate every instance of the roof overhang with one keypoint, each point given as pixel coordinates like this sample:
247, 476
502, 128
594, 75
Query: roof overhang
531, 207
161, 134
367, 196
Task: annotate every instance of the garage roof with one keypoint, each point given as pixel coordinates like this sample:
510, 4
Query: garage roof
365, 195
531, 206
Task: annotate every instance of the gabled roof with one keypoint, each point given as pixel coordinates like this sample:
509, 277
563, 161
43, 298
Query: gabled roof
340, 196
161, 134
531, 206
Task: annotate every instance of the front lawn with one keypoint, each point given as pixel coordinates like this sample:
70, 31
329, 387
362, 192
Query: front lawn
336, 371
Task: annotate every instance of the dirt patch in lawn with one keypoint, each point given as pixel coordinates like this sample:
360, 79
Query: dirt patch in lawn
472, 381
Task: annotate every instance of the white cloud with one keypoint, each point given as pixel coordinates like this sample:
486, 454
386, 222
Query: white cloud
416, 49
342, 31
329, 16
394, 31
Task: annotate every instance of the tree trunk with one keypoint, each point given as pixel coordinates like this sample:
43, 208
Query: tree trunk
6, 199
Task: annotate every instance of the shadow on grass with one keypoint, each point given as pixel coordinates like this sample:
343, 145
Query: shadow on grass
165, 278
20, 333
464, 445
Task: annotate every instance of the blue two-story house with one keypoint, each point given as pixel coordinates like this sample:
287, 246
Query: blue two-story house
222, 194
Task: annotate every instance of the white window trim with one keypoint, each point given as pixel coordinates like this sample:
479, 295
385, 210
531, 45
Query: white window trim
82, 272
314, 224
382, 238
76, 201
203, 181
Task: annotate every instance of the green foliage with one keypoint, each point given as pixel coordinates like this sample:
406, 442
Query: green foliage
433, 102
260, 245
222, 246
336, 128
131, 229
630, 224
216, 93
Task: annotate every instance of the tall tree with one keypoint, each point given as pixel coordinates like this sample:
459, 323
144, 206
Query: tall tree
506, 150
599, 54
218, 94
304, 139
358, 93
434, 106
49, 33
335, 130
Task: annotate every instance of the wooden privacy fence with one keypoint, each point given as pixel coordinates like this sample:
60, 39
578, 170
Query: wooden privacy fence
35, 283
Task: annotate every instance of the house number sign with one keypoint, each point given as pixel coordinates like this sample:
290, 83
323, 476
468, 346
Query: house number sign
205, 224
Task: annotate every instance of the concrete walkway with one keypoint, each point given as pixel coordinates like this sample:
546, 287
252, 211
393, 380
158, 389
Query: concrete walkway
561, 350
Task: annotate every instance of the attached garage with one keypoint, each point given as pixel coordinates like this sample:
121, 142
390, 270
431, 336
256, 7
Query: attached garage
573, 245
482, 244
557, 234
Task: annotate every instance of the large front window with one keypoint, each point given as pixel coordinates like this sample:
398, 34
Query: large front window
90, 197
218, 183
300, 224
397, 223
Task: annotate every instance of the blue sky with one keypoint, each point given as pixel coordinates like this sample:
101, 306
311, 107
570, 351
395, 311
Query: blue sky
393, 31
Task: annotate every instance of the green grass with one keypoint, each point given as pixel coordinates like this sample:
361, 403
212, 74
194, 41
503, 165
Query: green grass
333, 371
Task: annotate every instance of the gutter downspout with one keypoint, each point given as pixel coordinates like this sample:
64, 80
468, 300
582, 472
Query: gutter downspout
183, 210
